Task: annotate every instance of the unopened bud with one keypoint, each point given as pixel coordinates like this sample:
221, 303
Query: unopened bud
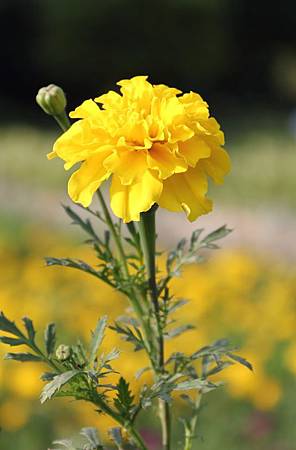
63, 352
52, 100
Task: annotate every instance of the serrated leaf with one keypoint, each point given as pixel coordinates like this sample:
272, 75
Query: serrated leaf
23, 357
124, 399
240, 360
50, 338
30, 328
59, 380
9, 326
97, 338
73, 263
11, 341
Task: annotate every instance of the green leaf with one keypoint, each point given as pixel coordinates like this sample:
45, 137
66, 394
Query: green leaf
11, 341
50, 338
202, 385
140, 372
97, 338
216, 235
195, 237
23, 357
30, 328
240, 360
176, 304
124, 399
9, 326
116, 436
129, 335
178, 330
218, 368
77, 220
59, 380
48, 376
92, 437
66, 443
114, 354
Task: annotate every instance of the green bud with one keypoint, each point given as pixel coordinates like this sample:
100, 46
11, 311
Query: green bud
52, 100
63, 352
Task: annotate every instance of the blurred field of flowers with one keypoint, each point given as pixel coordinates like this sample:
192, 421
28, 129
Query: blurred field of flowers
234, 294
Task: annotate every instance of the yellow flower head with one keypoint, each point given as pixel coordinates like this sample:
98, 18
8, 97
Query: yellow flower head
157, 145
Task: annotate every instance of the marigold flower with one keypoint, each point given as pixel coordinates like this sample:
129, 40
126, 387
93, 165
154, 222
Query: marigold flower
157, 145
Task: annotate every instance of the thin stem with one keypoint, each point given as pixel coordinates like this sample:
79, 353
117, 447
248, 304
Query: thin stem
116, 237
43, 356
190, 432
63, 121
148, 238
119, 419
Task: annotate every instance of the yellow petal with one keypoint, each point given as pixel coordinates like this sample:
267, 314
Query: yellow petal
161, 158
110, 100
51, 155
127, 164
193, 150
127, 202
186, 192
218, 165
87, 109
86, 180
180, 133
211, 129
79, 142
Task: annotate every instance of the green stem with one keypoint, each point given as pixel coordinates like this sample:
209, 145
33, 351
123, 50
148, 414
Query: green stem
190, 431
46, 360
115, 235
148, 241
119, 419
63, 121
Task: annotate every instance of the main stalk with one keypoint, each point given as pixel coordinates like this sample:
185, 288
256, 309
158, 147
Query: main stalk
148, 242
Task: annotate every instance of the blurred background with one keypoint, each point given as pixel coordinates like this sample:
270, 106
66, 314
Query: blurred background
241, 57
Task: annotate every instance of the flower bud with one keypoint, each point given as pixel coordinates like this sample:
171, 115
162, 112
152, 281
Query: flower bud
52, 100
63, 352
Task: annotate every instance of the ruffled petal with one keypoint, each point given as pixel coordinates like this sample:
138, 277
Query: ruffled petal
127, 164
218, 165
86, 180
110, 100
180, 133
79, 143
127, 202
87, 109
161, 158
193, 150
186, 192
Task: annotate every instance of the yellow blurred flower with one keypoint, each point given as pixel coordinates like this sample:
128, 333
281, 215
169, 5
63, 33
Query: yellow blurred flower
26, 382
13, 414
158, 146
